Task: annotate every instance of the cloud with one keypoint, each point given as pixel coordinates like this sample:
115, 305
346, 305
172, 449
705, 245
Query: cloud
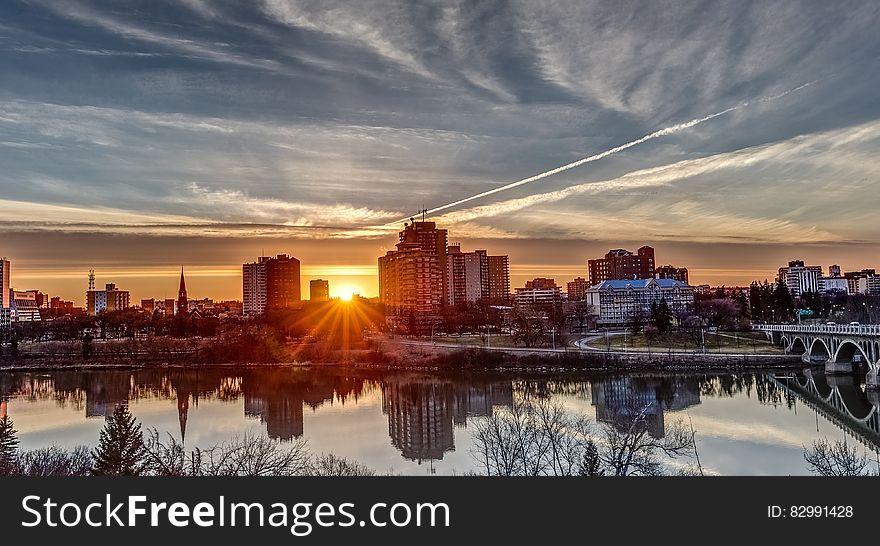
699, 216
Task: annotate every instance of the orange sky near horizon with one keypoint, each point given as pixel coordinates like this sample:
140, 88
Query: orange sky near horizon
149, 267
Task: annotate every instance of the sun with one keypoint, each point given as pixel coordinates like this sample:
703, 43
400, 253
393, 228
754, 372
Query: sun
345, 293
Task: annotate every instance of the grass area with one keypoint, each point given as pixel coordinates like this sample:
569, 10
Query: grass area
678, 341
475, 341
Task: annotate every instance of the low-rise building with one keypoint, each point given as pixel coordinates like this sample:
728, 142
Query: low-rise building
25, 306
109, 299
540, 291
577, 289
619, 302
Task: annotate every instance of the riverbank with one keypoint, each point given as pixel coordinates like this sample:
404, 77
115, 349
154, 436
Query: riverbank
398, 353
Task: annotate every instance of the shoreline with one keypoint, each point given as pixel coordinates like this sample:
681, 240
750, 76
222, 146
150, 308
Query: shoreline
471, 360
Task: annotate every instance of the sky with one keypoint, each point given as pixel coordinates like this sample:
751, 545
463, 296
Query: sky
139, 136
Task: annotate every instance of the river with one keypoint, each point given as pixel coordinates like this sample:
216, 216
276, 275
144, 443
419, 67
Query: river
408, 422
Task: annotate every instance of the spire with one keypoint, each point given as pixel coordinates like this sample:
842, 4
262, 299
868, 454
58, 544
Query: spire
181, 294
182, 412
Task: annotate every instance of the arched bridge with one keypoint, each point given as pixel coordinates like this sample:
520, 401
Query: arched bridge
841, 349
839, 399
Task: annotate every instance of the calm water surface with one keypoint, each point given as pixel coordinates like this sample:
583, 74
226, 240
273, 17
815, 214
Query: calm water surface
422, 423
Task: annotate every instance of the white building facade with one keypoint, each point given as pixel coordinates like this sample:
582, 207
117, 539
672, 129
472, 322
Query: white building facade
620, 302
254, 289
800, 278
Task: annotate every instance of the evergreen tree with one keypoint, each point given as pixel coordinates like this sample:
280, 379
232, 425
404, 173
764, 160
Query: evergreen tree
783, 303
591, 465
8, 446
120, 450
663, 320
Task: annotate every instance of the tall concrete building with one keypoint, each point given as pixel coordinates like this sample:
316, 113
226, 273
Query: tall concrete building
414, 278
467, 274
800, 278
499, 279
282, 282
4, 284
430, 239
270, 283
109, 299
319, 290
620, 264
410, 280
253, 276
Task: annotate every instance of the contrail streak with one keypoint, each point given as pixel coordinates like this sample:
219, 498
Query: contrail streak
656, 134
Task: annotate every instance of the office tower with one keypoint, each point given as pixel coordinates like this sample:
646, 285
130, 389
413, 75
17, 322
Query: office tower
672, 272
577, 289
4, 283
800, 278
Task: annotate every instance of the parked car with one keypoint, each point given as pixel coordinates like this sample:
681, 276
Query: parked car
854, 323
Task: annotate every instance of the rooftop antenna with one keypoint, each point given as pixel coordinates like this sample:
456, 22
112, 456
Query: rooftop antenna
91, 279
424, 211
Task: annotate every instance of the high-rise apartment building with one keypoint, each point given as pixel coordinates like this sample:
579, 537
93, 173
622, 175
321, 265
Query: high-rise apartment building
270, 283
319, 290
414, 278
410, 280
467, 274
800, 278
282, 282
429, 239
620, 264
4, 284
499, 279
253, 277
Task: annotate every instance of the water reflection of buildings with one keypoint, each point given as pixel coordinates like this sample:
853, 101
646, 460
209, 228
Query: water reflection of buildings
619, 399
422, 412
276, 397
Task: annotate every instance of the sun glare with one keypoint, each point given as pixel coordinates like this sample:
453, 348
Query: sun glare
345, 293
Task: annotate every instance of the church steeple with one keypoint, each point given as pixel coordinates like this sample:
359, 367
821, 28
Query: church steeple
181, 294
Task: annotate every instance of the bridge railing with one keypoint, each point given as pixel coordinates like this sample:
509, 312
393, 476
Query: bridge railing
839, 329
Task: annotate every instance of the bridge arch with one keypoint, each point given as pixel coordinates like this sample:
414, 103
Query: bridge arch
797, 346
848, 350
819, 351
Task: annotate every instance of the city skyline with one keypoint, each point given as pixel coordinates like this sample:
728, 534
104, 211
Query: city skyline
200, 133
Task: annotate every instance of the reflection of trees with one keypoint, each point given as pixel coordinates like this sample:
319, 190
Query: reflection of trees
766, 390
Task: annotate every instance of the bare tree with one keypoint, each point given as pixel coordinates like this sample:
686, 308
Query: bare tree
166, 459
837, 459
632, 451
531, 439
328, 464
55, 461
251, 455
